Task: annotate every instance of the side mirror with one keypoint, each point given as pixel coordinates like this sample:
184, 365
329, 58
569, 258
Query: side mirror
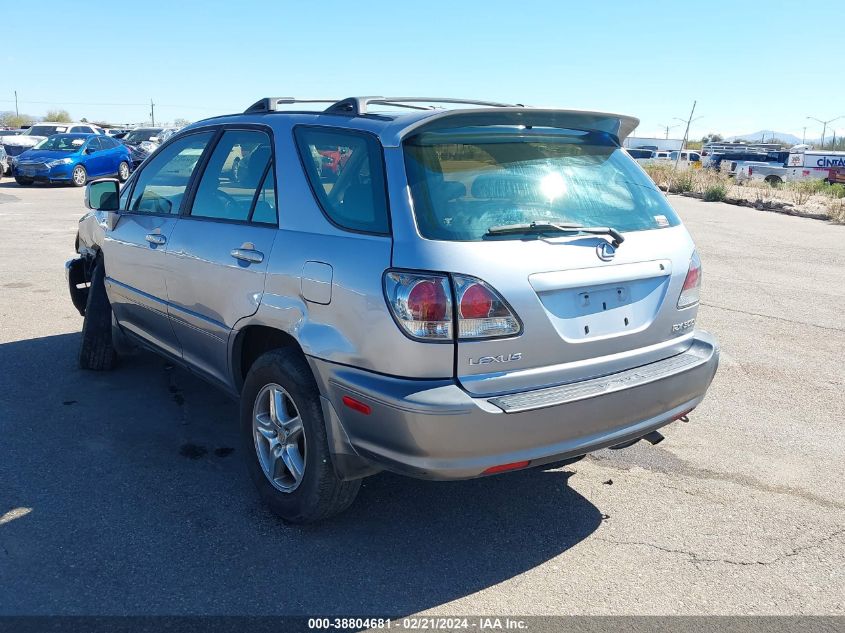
103, 195
90, 150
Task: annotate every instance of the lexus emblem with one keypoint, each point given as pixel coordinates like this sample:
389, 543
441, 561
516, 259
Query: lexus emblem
606, 251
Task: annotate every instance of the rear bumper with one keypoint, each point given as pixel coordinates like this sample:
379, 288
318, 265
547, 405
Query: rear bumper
433, 429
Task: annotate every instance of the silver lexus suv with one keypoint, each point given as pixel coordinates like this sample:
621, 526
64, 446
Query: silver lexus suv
440, 288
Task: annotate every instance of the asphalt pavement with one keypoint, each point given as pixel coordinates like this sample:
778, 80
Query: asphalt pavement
125, 492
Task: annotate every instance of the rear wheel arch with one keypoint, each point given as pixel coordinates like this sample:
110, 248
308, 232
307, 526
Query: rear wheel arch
254, 340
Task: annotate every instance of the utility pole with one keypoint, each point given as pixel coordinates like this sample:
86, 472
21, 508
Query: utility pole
667, 128
153, 112
686, 134
16, 104
804, 136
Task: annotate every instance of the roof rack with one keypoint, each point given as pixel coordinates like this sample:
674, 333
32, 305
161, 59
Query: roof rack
356, 106
271, 104
359, 105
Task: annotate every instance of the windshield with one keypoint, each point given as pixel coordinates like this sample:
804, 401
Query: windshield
463, 182
141, 135
62, 142
45, 130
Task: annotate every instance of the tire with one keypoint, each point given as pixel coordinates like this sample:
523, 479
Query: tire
79, 176
23, 181
97, 350
318, 493
123, 171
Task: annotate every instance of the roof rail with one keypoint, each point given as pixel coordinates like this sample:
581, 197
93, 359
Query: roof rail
271, 104
358, 105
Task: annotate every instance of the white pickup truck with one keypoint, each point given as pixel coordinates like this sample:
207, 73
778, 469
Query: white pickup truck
802, 164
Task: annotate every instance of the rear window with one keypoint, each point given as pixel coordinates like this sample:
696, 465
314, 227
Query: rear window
46, 130
465, 181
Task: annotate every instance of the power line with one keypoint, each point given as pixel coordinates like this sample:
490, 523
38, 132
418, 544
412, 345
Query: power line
94, 103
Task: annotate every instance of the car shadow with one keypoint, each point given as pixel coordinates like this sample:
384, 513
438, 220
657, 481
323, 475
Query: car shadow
11, 184
139, 503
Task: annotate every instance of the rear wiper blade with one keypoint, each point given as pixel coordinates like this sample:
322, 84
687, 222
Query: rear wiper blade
545, 227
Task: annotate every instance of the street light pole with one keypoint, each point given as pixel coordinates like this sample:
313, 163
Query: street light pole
824, 125
17, 114
686, 133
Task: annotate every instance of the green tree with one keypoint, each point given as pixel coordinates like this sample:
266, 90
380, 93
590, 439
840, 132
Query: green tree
180, 122
12, 120
58, 116
712, 138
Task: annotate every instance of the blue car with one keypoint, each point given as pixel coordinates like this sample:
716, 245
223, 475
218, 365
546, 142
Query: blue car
73, 158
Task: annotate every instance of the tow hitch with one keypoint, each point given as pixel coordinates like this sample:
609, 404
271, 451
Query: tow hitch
653, 437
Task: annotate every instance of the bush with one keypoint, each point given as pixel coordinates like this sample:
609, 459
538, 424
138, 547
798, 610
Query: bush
835, 190
716, 192
681, 181
660, 173
802, 191
835, 208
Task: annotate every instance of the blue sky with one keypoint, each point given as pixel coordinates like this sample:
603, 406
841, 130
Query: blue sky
750, 64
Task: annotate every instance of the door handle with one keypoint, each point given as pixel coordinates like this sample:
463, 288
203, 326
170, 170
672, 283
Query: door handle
155, 238
248, 255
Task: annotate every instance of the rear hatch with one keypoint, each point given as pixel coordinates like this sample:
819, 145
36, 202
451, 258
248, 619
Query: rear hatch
524, 211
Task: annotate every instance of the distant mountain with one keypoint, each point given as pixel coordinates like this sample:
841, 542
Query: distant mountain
757, 137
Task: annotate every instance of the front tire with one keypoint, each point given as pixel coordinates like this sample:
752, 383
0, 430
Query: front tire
23, 181
123, 171
97, 350
284, 439
79, 176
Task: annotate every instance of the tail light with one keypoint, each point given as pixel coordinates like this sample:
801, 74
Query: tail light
482, 313
750, 170
422, 304
692, 284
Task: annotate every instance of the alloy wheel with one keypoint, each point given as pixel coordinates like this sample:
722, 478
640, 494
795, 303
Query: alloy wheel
279, 438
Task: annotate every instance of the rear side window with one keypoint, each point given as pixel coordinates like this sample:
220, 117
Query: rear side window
233, 178
466, 181
161, 185
346, 172
265, 204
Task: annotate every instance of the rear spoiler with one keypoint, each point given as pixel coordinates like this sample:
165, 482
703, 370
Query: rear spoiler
617, 125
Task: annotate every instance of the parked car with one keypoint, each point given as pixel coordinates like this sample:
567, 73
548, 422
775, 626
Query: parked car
139, 144
527, 295
640, 155
165, 134
4, 161
73, 158
15, 144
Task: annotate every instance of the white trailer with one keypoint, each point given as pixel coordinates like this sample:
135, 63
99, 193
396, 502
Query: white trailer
653, 143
